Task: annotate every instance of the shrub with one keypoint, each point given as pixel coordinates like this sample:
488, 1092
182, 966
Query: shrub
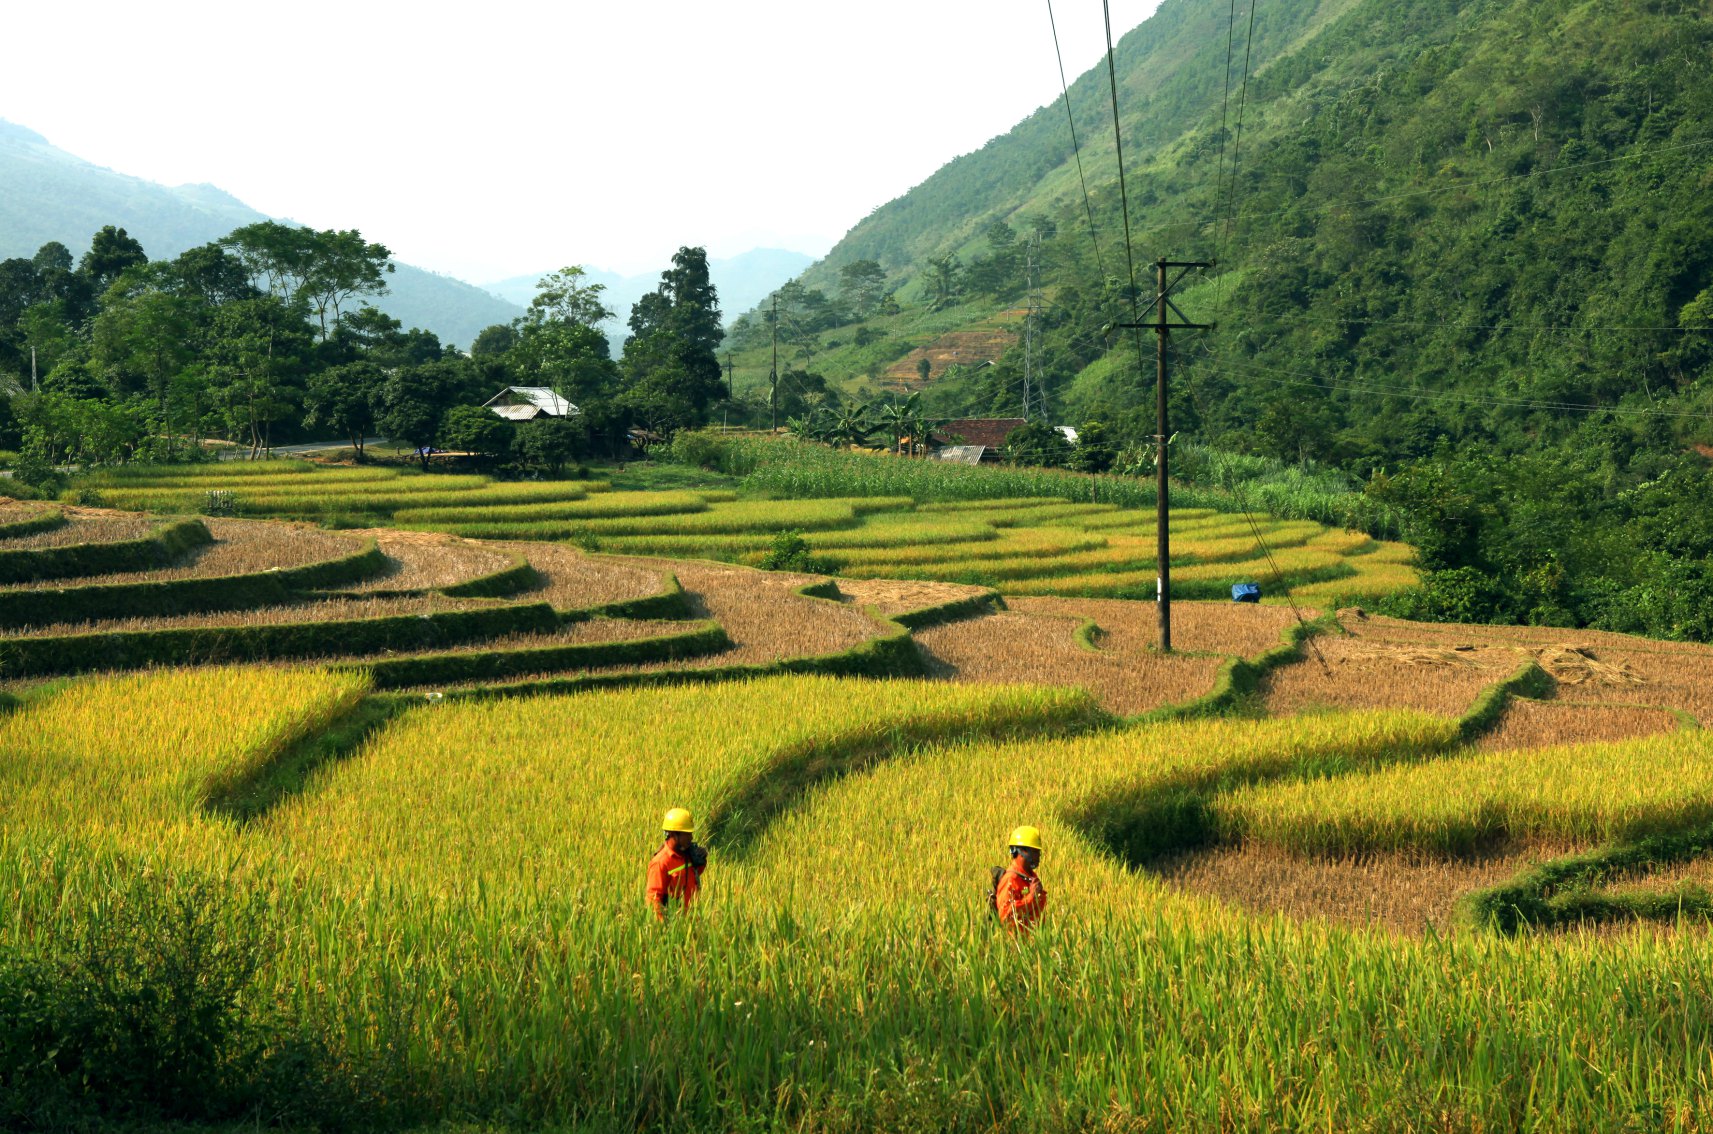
790, 552
140, 1008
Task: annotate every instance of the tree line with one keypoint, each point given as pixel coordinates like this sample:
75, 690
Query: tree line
267, 336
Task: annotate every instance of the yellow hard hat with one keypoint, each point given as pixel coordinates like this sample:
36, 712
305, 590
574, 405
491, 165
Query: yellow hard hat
678, 819
1026, 837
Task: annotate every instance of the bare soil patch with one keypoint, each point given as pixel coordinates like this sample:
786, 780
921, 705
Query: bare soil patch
1021, 646
1128, 626
427, 560
896, 596
88, 525
1364, 674
1540, 724
763, 615
1400, 894
240, 547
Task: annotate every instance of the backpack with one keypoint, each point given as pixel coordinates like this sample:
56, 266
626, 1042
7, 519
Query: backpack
995, 874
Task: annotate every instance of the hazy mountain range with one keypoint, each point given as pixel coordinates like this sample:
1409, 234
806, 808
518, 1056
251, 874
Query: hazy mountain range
48, 194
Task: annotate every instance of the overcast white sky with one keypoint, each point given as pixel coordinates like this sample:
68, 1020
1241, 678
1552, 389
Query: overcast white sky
503, 137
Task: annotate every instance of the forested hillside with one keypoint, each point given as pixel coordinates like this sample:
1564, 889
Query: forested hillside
1464, 256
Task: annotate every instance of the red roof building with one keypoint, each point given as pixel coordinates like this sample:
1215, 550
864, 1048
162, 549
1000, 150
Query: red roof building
986, 431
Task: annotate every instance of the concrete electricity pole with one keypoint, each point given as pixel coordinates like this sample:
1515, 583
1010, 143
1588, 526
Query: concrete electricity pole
1163, 309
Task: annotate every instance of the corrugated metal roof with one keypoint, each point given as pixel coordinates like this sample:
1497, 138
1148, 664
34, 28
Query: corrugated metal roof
517, 413
540, 397
962, 454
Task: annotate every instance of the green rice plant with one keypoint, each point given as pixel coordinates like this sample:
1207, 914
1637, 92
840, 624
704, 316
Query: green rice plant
213, 470
1581, 794
904, 531
400, 816
605, 504
924, 559
990, 505
141, 752
746, 516
735, 546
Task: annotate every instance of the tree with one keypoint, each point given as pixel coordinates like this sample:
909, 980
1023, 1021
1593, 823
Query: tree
210, 274
411, 404
325, 269
142, 341
1095, 450
491, 342
860, 285
850, 425
342, 398
944, 279
110, 253
567, 357
254, 355
473, 429
670, 370
549, 443
342, 266
563, 297
1037, 444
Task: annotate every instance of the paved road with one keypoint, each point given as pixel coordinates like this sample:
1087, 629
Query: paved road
299, 450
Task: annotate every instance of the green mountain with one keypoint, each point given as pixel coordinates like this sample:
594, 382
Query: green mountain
1446, 219
1465, 263
47, 194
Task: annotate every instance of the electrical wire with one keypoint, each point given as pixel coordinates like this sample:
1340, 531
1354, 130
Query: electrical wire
1088, 206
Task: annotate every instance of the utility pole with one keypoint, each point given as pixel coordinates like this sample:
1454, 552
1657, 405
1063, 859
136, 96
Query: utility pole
773, 374
730, 366
34, 384
1163, 309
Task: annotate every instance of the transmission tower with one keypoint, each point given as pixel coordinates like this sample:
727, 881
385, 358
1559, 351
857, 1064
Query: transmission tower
1031, 314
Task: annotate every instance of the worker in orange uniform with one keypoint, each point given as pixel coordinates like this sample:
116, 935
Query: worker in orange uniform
675, 871
1019, 898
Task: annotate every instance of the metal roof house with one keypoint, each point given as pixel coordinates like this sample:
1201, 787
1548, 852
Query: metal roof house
526, 403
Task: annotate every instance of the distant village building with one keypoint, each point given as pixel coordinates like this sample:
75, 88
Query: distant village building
973, 440
526, 403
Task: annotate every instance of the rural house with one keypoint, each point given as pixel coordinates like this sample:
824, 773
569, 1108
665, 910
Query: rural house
973, 440
526, 403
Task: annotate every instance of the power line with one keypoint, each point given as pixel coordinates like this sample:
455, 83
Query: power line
1123, 190
1076, 150
1242, 103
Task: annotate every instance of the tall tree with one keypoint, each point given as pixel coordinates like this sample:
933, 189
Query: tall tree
325, 269
255, 354
110, 252
564, 297
343, 398
860, 285
670, 369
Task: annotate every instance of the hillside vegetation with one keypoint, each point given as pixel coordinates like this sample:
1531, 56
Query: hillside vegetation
1461, 254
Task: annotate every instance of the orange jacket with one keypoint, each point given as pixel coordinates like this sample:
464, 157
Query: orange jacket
1019, 897
670, 876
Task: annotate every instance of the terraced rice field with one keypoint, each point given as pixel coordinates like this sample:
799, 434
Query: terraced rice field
1024, 546
1343, 892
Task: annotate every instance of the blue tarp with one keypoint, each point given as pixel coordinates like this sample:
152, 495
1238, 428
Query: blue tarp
1245, 592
